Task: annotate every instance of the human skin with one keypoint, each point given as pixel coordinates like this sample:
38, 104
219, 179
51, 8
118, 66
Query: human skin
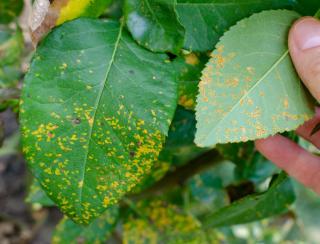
304, 46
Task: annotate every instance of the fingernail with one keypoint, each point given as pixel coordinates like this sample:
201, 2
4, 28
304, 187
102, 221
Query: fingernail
307, 33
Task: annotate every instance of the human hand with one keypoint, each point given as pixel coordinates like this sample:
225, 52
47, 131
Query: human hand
304, 46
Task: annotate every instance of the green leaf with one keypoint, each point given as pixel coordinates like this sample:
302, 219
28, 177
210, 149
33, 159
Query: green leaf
238, 153
254, 207
206, 20
36, 195
115, 10
188, 68
161, 222
249, 88
206, 190
99, 231
179, 144
179, 147
11, 46
154, 24
9, 76
101, 125
306, 7
307, 210
250, 164
256, 169
9, 10
158, 171
317, 15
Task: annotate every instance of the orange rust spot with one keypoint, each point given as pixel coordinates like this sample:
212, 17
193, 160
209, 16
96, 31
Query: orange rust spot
192, 59
286, 103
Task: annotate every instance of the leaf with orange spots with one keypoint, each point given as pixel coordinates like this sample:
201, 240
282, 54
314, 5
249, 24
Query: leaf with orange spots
95, 111
99, 231
188, 68
249, 88
161, 222
178, 150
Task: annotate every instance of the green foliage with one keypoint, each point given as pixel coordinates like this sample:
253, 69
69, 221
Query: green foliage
9, 10
250, 164
188, 68
11, 47
96, 8
108, 119
255, 207
37, 196
206, 20
160, 222
67, 232
11, 44
250, 91
179, 144
154, 24
107, 115
306, 7
206, 192
307, 209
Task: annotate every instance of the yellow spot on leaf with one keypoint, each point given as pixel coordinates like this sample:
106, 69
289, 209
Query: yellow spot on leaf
192, 59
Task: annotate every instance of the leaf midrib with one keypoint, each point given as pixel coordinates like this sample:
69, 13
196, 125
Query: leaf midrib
282, 57
96, 105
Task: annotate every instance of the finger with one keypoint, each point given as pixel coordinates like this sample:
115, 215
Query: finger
293, 159
304, 46
306, 129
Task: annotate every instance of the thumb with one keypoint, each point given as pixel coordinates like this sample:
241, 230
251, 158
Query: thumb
304, 46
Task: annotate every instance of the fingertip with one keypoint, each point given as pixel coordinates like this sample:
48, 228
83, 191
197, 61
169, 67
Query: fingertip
304, 47
305, 34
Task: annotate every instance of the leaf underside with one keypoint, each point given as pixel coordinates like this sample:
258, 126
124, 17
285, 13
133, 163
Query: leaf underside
249, 88
95, 111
